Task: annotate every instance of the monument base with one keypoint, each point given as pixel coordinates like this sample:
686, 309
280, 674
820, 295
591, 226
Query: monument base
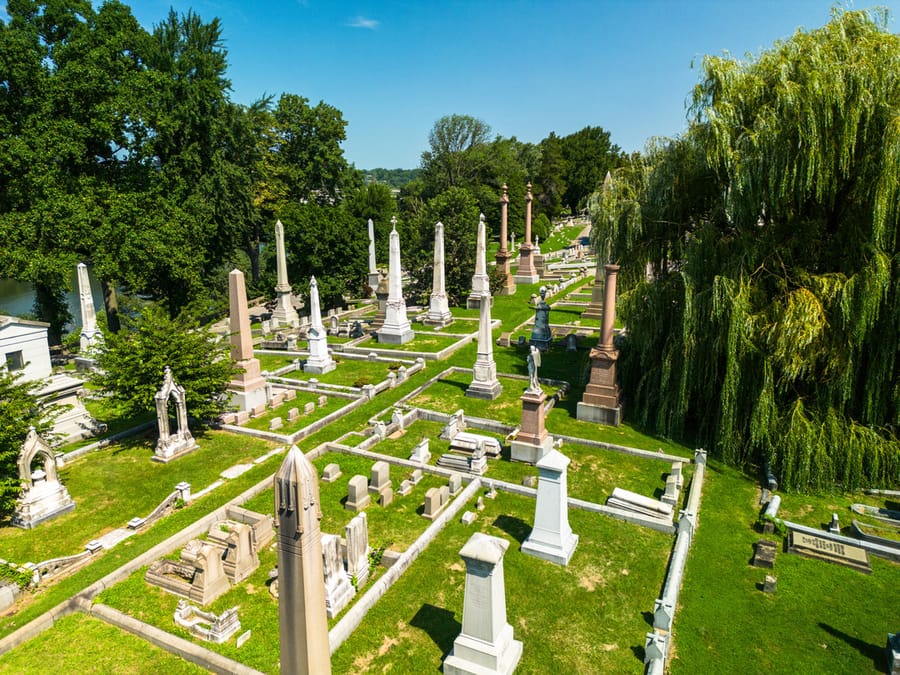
474, 302
593, 312
552, 552
31, 513
508, 287
531, 453
247, 400
85, 364
319, 367
395, 337
174, 453
487, 391
541, 343
527, 278
471, 656
437, 320
600, 414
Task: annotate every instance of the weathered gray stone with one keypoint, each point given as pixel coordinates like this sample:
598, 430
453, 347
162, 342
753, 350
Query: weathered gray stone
331, 473
357, 494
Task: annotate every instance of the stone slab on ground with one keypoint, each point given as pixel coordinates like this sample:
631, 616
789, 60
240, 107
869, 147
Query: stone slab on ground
233, 472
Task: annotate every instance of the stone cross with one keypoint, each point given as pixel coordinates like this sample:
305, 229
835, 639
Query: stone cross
302, 618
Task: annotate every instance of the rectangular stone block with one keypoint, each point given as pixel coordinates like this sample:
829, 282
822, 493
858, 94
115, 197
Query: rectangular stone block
331, 473
260, 410
322, 401
309, 408
242, 417
290, 395
293, 415
275, 423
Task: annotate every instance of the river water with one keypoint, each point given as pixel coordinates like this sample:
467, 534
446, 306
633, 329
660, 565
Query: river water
17, 297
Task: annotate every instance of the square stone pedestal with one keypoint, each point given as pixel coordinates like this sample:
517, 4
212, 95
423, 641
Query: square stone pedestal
391, 335
600, 402
533, 441
551, 538
248, 388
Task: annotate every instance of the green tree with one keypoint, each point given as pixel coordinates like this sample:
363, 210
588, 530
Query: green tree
770, 328
588, 155
135, 358
550, 180
374, 201
19, 410
456, 152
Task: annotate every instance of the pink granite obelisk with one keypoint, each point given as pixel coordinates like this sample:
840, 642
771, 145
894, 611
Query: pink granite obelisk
527, 273
302, 618
601, 402
247, 388
503, 255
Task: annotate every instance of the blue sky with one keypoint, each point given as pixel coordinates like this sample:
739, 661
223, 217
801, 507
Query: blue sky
526, 68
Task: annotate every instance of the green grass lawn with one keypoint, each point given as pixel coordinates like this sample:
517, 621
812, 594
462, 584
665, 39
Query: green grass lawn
303, 397
423, 342
81, 644
350, 372
272, 362
824, 618
119, 482
109, 412
561, 239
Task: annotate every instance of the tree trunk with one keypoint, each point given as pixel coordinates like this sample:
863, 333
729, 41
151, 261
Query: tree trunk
110, 304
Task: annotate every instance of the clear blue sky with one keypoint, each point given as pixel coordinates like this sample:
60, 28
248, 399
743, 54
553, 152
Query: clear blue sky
526, 68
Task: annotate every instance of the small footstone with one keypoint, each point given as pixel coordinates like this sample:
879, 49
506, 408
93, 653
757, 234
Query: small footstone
770, 584
529, 481
468, 518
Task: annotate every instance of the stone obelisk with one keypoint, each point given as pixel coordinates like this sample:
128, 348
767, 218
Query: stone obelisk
527, 274
484, 380
480, 281
595, 307
302, 620
247, 388
552, 538
374, 277
486, 643
503, 255
284, 313
319, 360
601, 402
396, 329
91, 336
438, 310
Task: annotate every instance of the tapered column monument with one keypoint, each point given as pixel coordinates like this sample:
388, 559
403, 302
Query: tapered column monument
503, 255
396, 329
284, 313
374, 277
551, 538
247, 387
319, 360
480, 281
527, 273
438, 310
601, 402
302, 619
595, 307
91, 337
486, 644
485, 384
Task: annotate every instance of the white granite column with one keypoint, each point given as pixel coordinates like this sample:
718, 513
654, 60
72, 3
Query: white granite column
480, 281
374, 277
438, 309
485, 384
552, 539
319, 360
284, 313
90, 334
396, 328
486, 643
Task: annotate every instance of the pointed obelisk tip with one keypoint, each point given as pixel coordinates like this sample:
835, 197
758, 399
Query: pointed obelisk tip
481, 217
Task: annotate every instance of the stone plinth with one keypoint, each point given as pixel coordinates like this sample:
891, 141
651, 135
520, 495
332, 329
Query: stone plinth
247, 388
551, 538
526, 273
601, 402
533, 441
486, 643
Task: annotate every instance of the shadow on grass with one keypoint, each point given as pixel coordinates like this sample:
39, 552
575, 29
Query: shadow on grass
440, 625
639, 653
870, 651
516, 528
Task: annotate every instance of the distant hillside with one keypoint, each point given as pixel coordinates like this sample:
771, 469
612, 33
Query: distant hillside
394, 177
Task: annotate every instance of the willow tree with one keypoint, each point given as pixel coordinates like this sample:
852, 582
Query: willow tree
769, 327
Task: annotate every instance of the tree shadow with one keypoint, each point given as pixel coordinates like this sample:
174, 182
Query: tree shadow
639, 653
648, 617
452, 383
870, 651
440, 624
516, 528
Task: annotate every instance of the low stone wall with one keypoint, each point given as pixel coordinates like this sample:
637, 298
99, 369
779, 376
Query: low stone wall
637, 452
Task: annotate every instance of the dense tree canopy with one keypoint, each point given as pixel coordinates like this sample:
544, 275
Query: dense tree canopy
770, 325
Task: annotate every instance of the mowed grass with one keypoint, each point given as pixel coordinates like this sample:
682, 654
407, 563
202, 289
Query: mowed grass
423, 342
332, 404
350, 372
81, 644
113, 485
586, 618
823, 618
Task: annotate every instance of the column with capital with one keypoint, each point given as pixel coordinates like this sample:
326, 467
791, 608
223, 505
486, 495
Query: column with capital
526, 273
601, 401
503, 255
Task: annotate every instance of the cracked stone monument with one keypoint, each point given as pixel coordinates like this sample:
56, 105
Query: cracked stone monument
247, 388
438, 309
284, 313
171, 445
503, 255
601, 402
533, 441
485, 384
338, 589
480, 282
374, 276
486, 643
302, 618
356, 534
527, 273
91, 337
43, 496
396, 329
551, 538
319, 360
